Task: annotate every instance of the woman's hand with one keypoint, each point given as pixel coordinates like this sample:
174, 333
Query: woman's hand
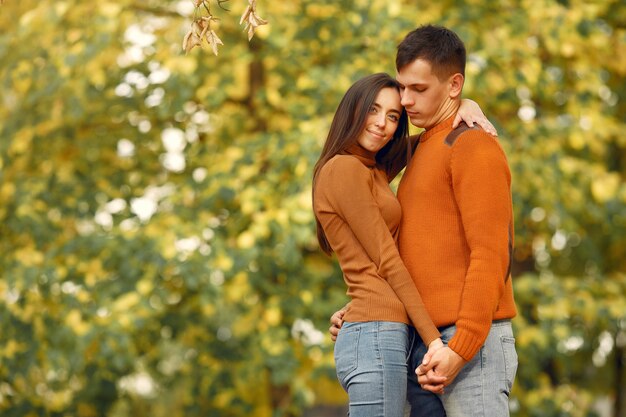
434, 346
470, 113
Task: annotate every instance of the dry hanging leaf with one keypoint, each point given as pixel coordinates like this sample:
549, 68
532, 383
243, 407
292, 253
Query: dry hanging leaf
251, 18
201, 26
213, 40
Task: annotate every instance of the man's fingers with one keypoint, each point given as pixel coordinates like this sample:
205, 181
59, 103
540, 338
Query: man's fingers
431, 380
437, 389
337, 318
424, 368
429, 377
336, 321
425, 380
334, 332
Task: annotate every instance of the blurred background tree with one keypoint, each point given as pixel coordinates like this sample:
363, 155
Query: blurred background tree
157, 248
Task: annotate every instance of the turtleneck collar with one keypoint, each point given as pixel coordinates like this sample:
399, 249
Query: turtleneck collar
446, 124
368, 158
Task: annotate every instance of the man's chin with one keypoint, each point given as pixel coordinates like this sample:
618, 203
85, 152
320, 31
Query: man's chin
416, 121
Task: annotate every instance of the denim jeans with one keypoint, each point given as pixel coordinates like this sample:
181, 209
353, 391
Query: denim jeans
483, 386
421, 403
371, 362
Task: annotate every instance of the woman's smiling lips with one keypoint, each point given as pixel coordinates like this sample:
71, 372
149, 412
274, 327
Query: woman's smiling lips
379, 135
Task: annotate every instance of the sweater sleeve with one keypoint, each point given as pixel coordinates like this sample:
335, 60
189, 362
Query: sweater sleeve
481, 183
348, 188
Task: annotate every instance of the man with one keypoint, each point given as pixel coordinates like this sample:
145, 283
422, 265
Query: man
456, 235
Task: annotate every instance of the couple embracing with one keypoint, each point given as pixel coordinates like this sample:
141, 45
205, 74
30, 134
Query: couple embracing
428, 271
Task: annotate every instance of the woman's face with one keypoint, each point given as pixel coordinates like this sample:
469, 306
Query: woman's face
382, 120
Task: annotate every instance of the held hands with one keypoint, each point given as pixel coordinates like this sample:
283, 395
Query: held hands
470, 113
439, 369
436, 380
336, 321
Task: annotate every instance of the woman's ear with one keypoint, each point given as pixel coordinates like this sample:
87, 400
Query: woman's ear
456, 85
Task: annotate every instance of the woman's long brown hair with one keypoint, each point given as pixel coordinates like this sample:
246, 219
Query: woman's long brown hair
347, 125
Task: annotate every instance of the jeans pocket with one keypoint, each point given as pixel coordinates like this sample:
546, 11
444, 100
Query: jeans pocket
346, 353
510, 361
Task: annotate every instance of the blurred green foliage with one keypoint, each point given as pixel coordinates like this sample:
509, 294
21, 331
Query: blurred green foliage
157, 248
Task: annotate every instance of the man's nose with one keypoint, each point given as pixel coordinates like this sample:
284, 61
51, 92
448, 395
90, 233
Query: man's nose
405, 98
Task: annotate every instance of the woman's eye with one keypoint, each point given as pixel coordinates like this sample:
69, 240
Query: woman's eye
372, 109
393, 117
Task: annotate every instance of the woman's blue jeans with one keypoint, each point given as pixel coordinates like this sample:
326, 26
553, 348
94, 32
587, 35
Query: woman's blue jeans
371, 361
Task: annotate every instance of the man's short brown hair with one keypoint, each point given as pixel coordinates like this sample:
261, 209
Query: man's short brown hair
441, 47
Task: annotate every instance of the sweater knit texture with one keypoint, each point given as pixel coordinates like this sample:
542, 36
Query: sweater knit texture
456, 233
360, 216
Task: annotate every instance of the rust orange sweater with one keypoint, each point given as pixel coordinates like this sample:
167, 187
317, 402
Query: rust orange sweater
360, 216
456, 233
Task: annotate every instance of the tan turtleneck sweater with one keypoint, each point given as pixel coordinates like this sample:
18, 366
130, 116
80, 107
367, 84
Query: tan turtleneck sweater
456, 234
360, 216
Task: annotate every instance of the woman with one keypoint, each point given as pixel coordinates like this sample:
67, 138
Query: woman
357, 217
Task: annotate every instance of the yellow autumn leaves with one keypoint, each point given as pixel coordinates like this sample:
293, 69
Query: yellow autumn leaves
201, 26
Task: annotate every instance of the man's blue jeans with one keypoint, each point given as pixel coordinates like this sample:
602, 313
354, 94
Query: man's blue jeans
482, 387
422, 403
371, 361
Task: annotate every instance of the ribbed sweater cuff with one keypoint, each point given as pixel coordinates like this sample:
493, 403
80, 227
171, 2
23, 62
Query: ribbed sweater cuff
465, 344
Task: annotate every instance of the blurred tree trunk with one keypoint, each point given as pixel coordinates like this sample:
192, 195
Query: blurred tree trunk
256, 82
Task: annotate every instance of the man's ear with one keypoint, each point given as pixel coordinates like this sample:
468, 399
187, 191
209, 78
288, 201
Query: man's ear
456, 85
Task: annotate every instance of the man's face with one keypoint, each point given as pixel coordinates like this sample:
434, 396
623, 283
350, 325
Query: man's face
424, 96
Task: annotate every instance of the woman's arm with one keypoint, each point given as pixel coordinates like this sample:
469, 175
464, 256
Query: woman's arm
347, 185
470, 113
